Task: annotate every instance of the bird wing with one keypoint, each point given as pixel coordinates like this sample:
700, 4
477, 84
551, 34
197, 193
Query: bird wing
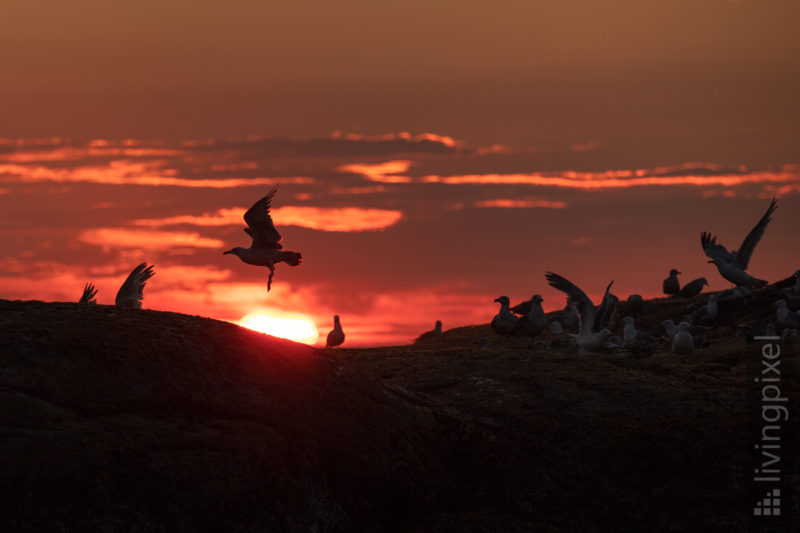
261, 228
133, 286
89, 293
600, 314
714, 250
749, 243
576, 297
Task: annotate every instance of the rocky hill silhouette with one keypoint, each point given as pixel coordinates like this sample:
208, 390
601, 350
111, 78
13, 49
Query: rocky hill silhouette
121, 420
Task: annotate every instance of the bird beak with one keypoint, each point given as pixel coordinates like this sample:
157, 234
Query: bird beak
681, 273
228, 252
710, 261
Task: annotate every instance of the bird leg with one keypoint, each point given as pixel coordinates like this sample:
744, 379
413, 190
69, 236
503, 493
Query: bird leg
271, 273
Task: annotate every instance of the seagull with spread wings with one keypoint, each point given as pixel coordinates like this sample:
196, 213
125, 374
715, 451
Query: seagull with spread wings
591, 336
732, 264
266, 249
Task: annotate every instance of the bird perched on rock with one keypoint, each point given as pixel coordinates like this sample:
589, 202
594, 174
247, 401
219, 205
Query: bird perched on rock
732, 265
336, 335
707, 314
693, 288
683, 343
633, 338
532, 323
591, 336
88, 296
634, 303
434, 334
787, 317
266, 249
792, 281
504, 320
525, 307
131, 293
671, 285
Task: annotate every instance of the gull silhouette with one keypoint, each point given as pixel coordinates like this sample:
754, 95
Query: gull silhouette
732, 265
266, 249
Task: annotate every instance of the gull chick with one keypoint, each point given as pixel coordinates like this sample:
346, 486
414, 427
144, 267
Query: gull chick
732, 264
266, 249
683, 343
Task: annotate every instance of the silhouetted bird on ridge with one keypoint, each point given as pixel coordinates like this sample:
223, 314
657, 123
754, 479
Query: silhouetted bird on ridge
265, 249
671, 285
693, 288
336, 335
732, 265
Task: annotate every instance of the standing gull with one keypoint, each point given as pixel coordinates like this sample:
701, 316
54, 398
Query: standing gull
336, 335
504, 320
266, 249
732, 265
590, 336
131, 293
671, 285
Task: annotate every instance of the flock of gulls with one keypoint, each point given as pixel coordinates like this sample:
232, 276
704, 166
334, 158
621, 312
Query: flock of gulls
587, 328
581, 326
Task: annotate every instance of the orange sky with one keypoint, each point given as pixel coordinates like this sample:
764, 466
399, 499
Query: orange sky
684, 80
594, 139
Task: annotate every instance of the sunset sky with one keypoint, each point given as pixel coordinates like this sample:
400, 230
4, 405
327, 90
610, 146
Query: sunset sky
430, 156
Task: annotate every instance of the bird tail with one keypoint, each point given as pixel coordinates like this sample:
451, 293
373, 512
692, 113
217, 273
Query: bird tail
293, 258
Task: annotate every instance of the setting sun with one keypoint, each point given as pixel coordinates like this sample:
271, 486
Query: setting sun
293, 326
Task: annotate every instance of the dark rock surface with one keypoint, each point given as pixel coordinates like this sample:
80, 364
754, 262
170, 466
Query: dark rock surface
135, 420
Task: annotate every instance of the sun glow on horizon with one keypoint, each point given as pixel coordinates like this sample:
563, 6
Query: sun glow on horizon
286, 325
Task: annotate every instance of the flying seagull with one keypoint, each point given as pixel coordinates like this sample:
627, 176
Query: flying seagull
89, 294
266, 249
591, 336
732, 265
336, 335
130, 294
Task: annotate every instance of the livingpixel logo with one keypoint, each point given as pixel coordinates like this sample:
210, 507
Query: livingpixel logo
773, 412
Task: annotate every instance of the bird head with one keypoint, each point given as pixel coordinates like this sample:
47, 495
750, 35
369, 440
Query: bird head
537, 299
628, 320
674, 272
236, 251
704, 281
683, 326
502, 300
